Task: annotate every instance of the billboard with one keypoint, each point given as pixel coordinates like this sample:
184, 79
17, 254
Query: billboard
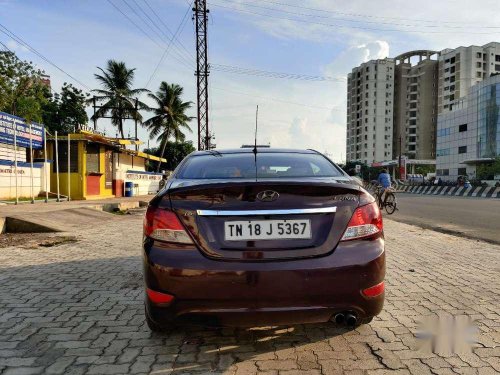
9, 123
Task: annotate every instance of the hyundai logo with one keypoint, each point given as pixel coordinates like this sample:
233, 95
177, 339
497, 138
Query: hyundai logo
268, 196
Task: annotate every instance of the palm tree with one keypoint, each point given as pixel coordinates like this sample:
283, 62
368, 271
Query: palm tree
169, 118
117, 94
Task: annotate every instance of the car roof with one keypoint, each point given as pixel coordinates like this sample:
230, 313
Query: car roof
260, 150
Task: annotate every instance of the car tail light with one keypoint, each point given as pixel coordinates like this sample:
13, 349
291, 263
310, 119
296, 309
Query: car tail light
164, 225
365, 222
375, 290
158, 297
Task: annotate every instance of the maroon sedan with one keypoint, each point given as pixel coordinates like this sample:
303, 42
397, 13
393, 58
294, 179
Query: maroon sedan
262, 237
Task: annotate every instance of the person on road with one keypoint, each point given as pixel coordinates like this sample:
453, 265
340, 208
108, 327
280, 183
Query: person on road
162, 182
384, 179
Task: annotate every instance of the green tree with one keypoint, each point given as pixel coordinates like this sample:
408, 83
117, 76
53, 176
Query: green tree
64, 112
488, 171
170, 118
367, 173
117, 97
424, 169
72, 102
22, 91
175, 152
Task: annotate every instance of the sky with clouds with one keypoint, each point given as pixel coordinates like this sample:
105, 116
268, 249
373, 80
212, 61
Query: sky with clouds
320, 38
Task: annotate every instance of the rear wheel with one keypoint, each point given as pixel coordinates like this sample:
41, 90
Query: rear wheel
390, 203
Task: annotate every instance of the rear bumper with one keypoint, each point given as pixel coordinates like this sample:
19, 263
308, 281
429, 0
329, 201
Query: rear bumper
261, 293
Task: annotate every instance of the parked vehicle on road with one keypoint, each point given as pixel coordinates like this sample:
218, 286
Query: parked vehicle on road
257, 237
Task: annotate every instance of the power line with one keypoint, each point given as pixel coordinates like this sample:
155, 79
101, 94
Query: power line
18, 39
346, 26
142, 30
354, 21
364, 15
133, 22
271, 74
168, 29
165, 52
5, 46
275, 99
160, 36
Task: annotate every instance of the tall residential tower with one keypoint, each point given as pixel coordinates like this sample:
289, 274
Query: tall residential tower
415, 105
370, 102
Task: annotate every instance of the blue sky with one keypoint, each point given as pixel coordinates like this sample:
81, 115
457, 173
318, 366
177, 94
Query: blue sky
296, 37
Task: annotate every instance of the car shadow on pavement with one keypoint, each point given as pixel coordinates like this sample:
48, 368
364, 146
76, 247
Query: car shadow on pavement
247, 350
87, 316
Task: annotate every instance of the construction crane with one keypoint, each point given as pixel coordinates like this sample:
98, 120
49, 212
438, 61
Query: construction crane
202, 72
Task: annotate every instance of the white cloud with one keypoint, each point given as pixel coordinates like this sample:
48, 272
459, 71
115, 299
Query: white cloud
378, 49
353, 56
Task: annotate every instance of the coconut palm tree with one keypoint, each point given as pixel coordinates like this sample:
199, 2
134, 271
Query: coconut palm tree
117, 97
170, 118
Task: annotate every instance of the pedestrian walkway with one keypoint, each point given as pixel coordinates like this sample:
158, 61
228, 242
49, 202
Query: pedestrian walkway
63, 216
40, 206
77, 308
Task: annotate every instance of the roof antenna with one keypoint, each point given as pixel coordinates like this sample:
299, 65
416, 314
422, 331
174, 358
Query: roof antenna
255, 143
256, 124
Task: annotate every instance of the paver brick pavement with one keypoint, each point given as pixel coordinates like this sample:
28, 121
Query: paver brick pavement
77, 308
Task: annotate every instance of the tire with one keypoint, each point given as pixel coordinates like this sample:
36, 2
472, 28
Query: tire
390, 203
153, 326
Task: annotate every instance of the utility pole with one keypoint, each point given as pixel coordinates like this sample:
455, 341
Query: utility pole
94, 117
201, 19
400, 152
136, 107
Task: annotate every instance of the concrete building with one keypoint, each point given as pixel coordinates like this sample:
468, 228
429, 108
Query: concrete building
97, 167
469, 133
390, 99
415, 105
393, 105
370, 103
463, 67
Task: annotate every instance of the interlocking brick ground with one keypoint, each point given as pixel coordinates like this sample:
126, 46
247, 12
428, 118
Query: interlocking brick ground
77, 308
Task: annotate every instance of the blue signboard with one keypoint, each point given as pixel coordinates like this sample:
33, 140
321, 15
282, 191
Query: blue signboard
9, 123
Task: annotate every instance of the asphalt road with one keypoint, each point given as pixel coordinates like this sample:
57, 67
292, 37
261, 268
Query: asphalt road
477, 218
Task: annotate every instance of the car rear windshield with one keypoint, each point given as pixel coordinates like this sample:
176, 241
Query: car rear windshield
269, 165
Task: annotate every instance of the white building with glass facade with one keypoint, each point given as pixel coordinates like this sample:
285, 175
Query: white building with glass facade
463, 67
469, 134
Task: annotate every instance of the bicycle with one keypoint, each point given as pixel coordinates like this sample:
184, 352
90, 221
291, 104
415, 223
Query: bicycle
390, 202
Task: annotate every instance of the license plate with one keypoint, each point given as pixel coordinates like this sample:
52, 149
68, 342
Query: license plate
267, 230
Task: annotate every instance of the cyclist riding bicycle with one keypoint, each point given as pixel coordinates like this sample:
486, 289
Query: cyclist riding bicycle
384, 179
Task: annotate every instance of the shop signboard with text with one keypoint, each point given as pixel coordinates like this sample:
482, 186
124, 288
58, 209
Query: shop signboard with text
10, 124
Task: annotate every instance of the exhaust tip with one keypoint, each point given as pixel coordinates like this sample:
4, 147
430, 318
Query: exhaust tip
339, 318
351, 320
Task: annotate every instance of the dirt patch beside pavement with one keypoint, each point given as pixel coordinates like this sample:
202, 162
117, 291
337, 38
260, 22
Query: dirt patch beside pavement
33, 240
